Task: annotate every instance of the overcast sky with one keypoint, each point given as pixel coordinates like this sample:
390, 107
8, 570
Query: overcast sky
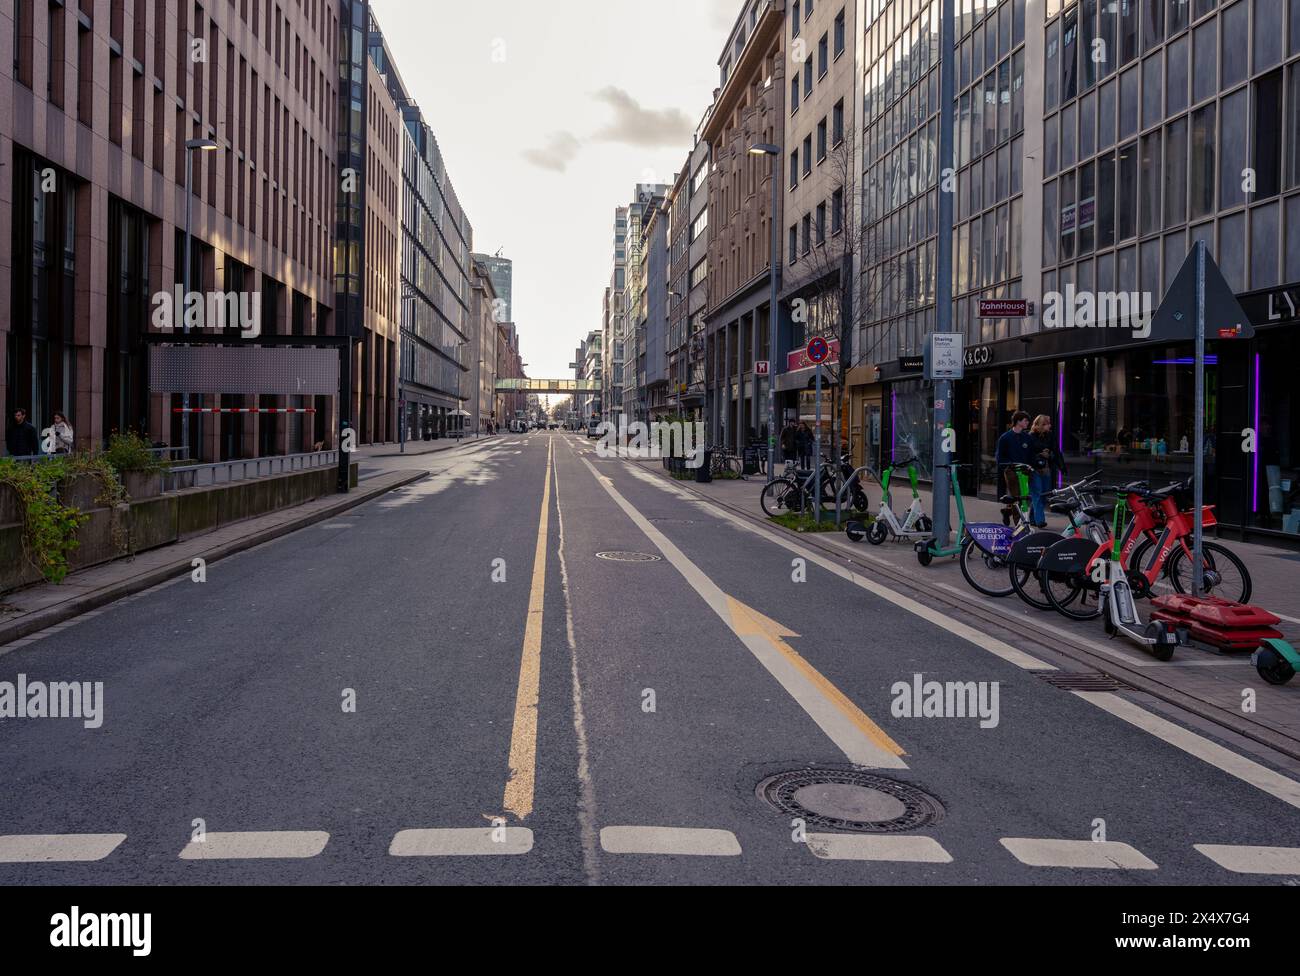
548, 114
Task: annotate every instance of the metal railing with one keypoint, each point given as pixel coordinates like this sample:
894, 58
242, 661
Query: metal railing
224, 472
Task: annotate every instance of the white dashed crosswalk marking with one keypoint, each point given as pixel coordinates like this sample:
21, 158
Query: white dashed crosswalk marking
1042, 852
461, 841
250, 844
32, 848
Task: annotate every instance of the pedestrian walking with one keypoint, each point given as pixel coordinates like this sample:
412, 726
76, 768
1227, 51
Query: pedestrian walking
20, 435
62, 432
1047, 462
1014, 447
805, 445
789, 442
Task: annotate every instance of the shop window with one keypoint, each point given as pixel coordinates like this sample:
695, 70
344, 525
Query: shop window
1273, 478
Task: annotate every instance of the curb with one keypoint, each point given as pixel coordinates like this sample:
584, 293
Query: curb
1135, 679
42, 619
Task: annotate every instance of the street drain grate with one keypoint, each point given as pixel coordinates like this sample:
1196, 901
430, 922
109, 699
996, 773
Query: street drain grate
849, 799
1082, 681
619, 556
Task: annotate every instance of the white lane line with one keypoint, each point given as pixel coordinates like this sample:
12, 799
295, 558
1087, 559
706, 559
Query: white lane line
1246, 770
698, 841
878, 847
247, 844
862, 741
998, 648
1244, 859
461, 841
1043, 852
35, 848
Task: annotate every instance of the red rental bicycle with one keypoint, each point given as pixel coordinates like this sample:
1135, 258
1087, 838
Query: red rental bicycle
1157, 543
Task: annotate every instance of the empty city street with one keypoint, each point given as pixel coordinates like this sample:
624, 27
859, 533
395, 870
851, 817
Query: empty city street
538, 665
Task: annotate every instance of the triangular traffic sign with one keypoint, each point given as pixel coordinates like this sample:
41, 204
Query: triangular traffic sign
1175, 319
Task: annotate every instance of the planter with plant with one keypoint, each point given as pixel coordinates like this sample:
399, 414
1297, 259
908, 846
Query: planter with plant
140, 470
49, 525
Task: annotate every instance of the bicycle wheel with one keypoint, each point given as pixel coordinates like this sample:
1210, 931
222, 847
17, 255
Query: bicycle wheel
1224, 574
780, 496
1071, 596
985, 572
1029, 587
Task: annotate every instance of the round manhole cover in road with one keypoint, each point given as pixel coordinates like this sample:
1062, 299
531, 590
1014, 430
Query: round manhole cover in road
628, 557
850, 799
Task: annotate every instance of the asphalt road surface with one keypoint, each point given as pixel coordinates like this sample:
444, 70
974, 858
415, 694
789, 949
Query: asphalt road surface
451, 684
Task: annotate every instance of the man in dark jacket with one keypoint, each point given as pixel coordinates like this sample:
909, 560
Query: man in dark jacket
1015, 446
20, 436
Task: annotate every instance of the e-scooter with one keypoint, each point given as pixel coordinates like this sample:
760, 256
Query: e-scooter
927, 549
915, 525
1119, 612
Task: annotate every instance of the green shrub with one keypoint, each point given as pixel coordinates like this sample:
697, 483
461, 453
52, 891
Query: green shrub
130, 452
49, 527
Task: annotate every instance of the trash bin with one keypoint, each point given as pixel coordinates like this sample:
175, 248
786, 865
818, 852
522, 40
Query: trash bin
704, 474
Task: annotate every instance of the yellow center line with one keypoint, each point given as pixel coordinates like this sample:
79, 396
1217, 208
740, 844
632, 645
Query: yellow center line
523, 738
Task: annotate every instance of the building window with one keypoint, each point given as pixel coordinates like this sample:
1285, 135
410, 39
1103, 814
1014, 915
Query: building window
1266, 130
794, 243
807, 9
794, 19
837, 123
823, 55
794, 169
699, 272
837, 211
821, 140
839, 33
821, 223
808, 76
700, 225
794, 94
807, 155
807, 233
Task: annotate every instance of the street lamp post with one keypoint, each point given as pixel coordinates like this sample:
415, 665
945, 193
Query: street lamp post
767, 149
205, 145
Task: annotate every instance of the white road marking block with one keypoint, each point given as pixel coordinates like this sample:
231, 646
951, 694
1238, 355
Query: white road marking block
37, 848
878, 847
460, 841
1050, 853
250, 844
1246, 770
335, 525
1244, 859
702, 841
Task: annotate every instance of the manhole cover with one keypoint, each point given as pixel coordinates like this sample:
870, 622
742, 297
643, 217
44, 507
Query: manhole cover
848, 799
628, 557
1082, 680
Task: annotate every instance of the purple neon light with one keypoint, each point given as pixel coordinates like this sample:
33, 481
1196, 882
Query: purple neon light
1254, 458
893, 421
1060, 415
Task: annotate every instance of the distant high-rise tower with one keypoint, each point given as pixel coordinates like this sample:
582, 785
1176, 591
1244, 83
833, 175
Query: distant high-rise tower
501, 271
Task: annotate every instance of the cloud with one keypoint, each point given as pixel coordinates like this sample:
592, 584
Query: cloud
559, 151
644, 127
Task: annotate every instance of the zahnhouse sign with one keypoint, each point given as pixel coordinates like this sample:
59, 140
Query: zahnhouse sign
799, 359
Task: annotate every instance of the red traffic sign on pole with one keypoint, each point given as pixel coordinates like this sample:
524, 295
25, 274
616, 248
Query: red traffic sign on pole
818, 350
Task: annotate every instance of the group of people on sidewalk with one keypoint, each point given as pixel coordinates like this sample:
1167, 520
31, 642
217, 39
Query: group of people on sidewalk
797, 443
21, 439
1030, 443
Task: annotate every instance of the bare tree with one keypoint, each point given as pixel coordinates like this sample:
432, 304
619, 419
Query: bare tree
843, 280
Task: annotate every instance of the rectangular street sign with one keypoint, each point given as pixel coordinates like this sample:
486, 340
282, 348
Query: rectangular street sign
1005, 308
911, 364
943, 356
761, 367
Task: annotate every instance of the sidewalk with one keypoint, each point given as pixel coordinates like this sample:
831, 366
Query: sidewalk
36, 607
393, 449
1198, 679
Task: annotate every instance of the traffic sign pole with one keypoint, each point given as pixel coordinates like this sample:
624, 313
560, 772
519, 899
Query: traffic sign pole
817, 483
943, 272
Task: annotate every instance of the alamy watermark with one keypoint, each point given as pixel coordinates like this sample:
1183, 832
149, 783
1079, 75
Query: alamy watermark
1099, 309
218, 310
53, 699
946, 699
658, 439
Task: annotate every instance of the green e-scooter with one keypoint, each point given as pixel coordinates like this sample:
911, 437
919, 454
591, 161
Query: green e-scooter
915, 523
927, 549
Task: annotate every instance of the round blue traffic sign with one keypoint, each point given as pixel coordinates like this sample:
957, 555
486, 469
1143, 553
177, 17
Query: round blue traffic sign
818, 349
